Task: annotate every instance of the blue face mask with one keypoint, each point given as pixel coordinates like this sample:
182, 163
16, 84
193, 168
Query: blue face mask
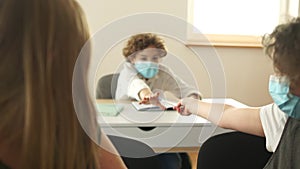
279, 88
147, 69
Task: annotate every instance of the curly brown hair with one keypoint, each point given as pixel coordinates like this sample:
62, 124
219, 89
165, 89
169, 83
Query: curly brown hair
142, 41
283, 47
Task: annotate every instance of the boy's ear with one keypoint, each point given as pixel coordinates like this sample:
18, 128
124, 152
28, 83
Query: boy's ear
131, 58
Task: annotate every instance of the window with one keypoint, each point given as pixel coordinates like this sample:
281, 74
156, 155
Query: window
236, 22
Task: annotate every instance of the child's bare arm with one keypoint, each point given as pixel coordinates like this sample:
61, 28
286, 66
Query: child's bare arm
147, 97
242, 119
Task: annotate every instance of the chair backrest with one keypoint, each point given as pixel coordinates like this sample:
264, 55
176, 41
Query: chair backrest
106, 86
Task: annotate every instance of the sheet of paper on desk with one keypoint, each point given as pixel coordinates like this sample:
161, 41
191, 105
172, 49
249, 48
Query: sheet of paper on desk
150, 107
109, 109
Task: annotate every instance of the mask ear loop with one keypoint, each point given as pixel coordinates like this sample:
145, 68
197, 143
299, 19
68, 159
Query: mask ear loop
294, 86
280, 79
163, 53
286, 81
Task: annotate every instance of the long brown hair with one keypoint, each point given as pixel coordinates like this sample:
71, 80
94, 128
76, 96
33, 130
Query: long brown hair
40, 41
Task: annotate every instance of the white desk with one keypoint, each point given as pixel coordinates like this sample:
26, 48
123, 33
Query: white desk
172, 131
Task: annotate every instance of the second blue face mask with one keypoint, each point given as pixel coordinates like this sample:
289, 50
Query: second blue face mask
279, 88
147, 69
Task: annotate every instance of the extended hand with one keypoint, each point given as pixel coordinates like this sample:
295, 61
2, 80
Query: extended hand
153, 99
187, 106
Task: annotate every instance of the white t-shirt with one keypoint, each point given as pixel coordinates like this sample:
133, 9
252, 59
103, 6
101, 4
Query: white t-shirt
130, 83
273, 121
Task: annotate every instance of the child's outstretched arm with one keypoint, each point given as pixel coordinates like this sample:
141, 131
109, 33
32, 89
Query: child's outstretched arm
147, 97
242, 119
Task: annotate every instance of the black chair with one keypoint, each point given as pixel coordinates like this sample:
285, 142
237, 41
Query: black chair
127, 148
106, 86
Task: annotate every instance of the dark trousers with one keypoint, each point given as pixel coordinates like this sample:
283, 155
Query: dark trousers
233, 150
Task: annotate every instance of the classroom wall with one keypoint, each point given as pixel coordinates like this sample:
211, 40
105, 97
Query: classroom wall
246, 69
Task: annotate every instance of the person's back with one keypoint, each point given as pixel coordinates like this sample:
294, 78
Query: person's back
40, 41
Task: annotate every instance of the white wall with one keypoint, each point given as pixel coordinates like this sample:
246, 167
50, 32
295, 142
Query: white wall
246, 69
